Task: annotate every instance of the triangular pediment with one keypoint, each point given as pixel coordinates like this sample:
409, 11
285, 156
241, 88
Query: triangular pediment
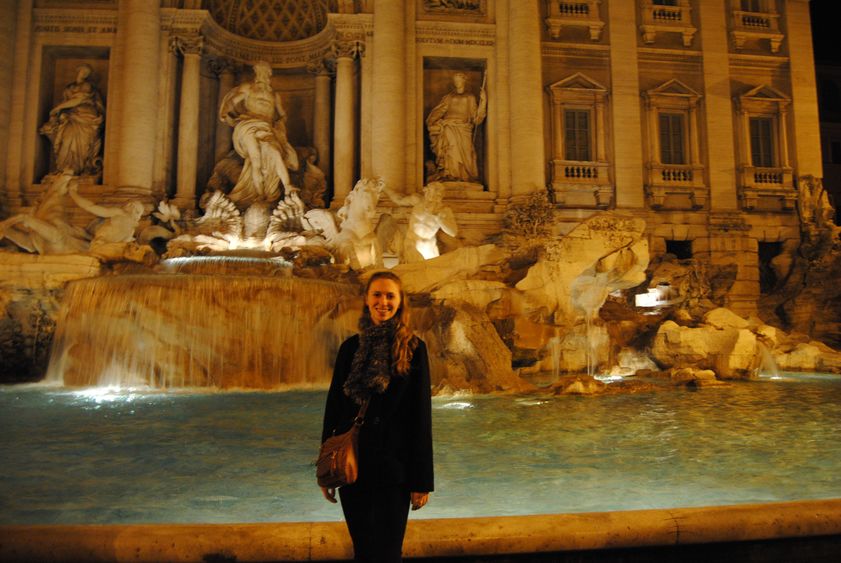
674, 87
765, 92
578, 81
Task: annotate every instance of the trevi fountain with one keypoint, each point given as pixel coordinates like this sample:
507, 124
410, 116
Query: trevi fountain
594, 247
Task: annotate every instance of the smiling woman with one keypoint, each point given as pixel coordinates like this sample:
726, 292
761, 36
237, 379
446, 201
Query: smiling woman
386, 368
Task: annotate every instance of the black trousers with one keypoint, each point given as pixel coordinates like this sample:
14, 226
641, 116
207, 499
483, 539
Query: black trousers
376, 519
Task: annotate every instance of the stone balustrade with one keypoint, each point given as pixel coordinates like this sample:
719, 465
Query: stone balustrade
584, 13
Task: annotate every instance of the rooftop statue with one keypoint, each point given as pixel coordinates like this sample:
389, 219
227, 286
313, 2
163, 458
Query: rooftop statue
256, 113
75, 126
46, 229
451, 126
428, 216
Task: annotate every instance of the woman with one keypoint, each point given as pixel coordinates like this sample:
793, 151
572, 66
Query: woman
387, 364
75, 126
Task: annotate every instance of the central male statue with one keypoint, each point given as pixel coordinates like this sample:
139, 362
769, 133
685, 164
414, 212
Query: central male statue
255, 111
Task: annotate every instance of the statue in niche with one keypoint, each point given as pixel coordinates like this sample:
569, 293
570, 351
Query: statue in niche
428, 216
256, 113
451, 126
46, 230
75, 126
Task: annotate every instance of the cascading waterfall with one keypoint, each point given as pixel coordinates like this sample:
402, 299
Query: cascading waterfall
221, 331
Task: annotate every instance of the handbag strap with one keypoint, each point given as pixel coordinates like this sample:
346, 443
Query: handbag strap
360, 416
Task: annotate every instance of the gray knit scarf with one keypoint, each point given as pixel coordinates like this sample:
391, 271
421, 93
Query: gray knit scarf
371, 369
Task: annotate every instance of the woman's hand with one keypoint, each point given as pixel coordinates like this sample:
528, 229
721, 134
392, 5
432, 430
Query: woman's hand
418, 500
330, 494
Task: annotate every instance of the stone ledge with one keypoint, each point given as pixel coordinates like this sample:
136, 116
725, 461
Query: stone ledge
448, 537
51, 271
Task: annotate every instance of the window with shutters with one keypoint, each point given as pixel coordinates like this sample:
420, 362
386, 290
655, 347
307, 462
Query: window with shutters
762, 142
577, 135
671, 138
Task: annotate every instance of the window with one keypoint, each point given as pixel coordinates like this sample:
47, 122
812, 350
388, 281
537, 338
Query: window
752, 6
767, 275
762, 142
665, 2
671, 138
577, 135
682, 249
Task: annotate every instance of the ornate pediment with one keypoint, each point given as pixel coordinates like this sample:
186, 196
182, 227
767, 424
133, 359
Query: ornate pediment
765, 93
674, 87
578, 81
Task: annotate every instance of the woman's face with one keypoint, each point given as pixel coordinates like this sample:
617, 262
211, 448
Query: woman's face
383, 299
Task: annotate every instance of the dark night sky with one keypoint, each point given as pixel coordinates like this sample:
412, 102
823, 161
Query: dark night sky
825, 31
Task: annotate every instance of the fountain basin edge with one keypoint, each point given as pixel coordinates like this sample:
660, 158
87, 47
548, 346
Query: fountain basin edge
444, 537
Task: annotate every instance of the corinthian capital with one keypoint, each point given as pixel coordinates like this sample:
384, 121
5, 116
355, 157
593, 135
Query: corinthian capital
187, 44
347, 48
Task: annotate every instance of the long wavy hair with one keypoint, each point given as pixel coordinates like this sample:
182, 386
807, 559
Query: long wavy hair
405, 341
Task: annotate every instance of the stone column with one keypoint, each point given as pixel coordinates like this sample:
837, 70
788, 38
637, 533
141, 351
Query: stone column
694, 153
223, 143
525, 85
344, 131
140, 74
557, 130
627, 118
718, 107
322, 115
807, 142
388, 127
8, 17
20, 80
188, 121
784, 160
601, 152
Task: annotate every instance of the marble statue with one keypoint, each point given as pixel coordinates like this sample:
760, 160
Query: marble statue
314, 182
451, 126
428, 216
355, 240
119, 223
75, 126
256, 113
46, 230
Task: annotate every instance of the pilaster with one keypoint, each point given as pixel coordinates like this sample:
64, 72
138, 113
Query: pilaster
525, 85
140, 69
803, 90
389, 118
627, 126
718, 113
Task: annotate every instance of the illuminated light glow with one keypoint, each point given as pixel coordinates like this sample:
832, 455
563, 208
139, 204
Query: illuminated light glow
457, 405
608, 378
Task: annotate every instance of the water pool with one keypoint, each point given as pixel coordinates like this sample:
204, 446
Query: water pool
95, 457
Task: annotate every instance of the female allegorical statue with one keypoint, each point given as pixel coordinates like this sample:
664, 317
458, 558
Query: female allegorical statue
75, 126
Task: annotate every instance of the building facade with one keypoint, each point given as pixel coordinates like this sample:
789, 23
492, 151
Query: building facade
699, 115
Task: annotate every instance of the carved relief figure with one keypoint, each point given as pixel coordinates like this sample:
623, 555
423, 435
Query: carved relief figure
451, 126
46, 230
256, 113
75, 126
428, 216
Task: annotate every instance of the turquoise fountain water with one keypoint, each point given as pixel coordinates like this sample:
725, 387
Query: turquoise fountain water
96, 456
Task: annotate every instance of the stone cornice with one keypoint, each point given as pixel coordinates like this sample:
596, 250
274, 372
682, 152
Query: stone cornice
51, 20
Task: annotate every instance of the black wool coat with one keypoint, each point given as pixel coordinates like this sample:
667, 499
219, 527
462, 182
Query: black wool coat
395, 441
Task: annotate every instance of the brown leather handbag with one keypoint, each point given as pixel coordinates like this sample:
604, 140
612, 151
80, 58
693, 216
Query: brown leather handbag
338, 459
